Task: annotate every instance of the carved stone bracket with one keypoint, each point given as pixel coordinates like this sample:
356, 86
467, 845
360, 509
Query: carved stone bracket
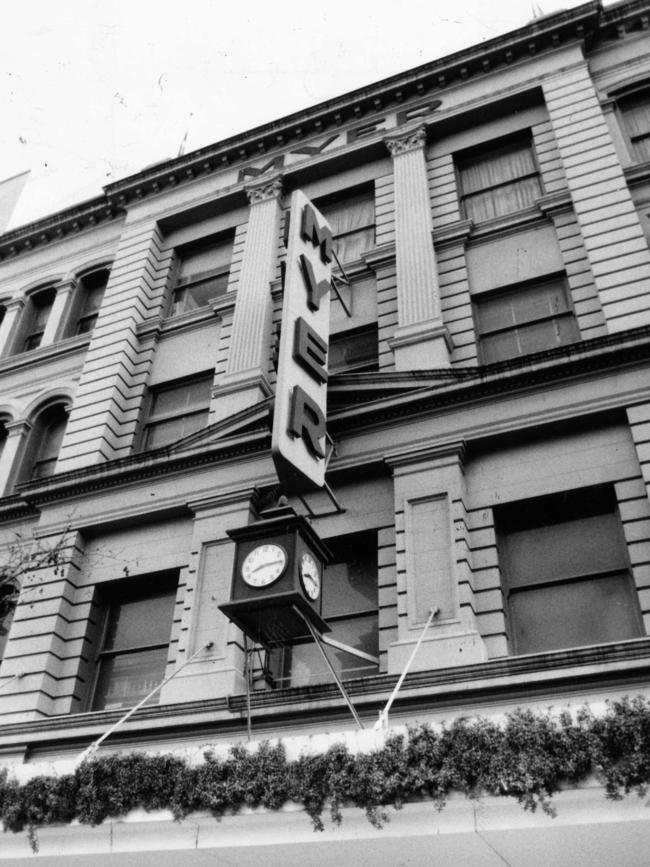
402, 142
262, 191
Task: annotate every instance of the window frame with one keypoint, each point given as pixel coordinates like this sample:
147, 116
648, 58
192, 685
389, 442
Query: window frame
149, 419
42, 426
483, 150
484, 298
282, 660
117, 593
30, 332
81, 311
579, 505
368, 365
185, 284
340, 196
629, 94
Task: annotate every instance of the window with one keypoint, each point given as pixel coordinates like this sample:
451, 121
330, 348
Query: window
47, 437
7, 605
564, 564
635, 108
524, 319
137, 622
38, 311
202, 271
351, 351
499, 179
177, 410
91, 294
351, 216
349, 607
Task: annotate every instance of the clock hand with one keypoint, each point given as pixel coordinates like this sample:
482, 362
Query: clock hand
266, 565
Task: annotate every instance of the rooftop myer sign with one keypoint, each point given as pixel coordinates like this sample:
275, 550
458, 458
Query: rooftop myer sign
298, 442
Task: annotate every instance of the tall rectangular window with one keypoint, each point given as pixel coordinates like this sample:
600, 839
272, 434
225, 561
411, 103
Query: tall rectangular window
202, 270
563, 561
350, 607
351, 214
38, 312
91, 290
498, 179
176, 410
137, 623
524, 319
635, 109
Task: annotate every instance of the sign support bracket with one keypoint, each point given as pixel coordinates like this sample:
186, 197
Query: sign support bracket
344, 692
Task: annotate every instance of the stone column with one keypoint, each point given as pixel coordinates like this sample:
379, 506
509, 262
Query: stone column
17, 434
219, 670
245, 381
612, 233
432, 560
421, 340
8, 327
48, 641
55, 325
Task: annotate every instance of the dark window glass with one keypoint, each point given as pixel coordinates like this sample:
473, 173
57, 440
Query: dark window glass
49, 432
635, 109
354, 350
202, 273
135, 646
92, 287
524, 319
39, 309
566, 574
350, 608
499, 179
177, 410
351, 215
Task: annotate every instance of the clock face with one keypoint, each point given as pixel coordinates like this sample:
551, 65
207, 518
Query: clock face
264, 565
310, 576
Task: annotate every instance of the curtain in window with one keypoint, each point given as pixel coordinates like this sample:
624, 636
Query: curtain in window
499, 182
636, 113
353, 224
50, 431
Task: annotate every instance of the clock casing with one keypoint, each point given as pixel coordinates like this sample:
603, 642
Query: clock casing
265, 609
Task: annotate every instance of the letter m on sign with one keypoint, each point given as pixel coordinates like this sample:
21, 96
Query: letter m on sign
320, 236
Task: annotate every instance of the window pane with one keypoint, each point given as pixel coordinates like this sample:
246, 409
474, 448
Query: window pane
208, 255
304, 663
353, 350
126, 679
496, 166
164, 432
137, 622
189, 395
579, 613
502, 200
577, 547
352, 246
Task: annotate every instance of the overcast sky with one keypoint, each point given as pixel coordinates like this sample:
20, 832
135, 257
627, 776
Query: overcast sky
94, 90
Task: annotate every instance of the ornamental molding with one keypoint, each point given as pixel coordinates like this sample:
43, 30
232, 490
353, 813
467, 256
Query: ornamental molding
262, 191
406, 141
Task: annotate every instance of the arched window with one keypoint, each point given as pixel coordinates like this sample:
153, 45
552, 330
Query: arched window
45, 441
37, 312
90, 295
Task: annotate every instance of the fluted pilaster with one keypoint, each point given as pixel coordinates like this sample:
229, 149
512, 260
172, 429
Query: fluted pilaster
420, 339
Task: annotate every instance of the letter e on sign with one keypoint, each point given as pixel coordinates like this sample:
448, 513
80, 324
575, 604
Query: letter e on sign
300, 412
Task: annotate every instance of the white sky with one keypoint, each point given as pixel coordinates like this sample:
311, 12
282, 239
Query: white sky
94, 90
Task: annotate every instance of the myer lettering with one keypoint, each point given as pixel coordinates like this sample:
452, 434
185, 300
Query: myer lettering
299, 422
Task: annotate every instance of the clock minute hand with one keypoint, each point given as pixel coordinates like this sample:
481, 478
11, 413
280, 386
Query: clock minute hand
266, 565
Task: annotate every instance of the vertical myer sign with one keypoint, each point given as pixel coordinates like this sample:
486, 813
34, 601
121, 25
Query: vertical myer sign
298, 442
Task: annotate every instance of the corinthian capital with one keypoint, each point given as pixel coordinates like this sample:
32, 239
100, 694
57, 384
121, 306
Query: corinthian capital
402, 141
260, 191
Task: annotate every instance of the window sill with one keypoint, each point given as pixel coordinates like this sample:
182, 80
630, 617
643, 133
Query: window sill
45, 353
637, 173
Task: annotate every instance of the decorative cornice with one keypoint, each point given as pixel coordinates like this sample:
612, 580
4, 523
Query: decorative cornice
261, 191
404, 141
453, 451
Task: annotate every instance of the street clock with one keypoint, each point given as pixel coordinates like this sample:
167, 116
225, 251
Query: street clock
277, 578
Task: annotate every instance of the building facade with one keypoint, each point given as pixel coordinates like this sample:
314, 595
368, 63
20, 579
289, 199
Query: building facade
488, 405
